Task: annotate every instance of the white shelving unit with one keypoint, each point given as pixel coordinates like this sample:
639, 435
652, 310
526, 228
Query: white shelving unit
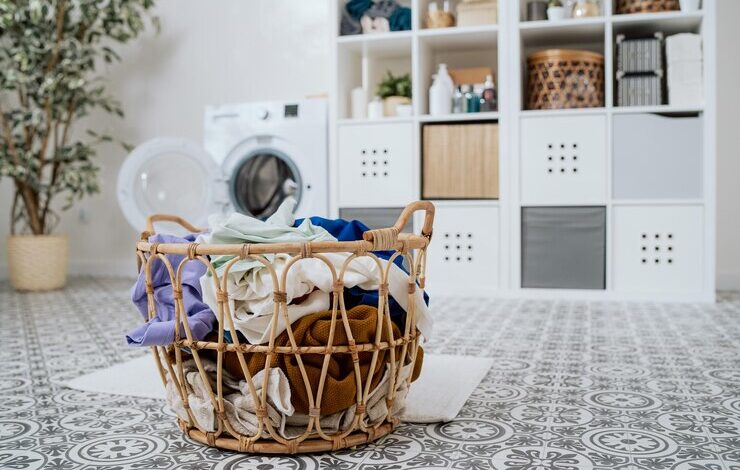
496, 225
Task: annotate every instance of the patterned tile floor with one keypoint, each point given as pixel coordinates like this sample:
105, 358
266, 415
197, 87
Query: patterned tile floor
575, 385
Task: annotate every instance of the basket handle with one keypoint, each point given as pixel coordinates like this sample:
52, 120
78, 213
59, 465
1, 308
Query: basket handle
385, 238
170, 218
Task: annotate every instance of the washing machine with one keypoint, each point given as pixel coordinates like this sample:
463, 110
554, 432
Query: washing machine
254, 156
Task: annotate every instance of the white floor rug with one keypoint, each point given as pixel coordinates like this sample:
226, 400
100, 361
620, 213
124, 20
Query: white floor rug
444, 386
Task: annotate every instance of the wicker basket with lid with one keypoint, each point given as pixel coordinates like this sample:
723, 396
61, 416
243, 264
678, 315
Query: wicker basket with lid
401, 350
565, 78
646, 6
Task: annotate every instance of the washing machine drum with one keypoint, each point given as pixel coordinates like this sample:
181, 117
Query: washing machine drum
262, 181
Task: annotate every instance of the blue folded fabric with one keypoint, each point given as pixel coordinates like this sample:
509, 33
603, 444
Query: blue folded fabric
351, 230
400, 19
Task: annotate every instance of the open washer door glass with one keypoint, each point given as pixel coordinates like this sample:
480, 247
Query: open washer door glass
167, 176
262, 180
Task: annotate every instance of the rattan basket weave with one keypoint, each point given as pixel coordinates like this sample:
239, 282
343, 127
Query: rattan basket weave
646, 6
564, 78
266, 440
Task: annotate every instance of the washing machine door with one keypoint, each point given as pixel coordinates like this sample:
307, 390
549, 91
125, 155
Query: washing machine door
168, 176
262, 180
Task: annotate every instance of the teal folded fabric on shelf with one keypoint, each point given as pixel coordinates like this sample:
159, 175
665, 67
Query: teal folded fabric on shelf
400, 19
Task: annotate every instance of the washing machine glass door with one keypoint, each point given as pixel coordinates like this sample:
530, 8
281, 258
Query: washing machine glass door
262, 180
167, 176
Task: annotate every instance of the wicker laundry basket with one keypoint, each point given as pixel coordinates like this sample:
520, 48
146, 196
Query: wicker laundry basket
400, 352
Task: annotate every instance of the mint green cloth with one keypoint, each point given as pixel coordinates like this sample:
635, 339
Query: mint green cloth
278, 228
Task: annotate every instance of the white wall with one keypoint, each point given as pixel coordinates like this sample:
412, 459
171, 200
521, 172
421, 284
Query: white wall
237, 50
728, 145
206, 53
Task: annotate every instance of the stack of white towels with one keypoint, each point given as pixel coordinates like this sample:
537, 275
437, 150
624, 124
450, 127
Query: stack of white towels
685, 62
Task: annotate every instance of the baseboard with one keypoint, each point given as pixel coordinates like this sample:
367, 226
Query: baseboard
728, 280
91, 268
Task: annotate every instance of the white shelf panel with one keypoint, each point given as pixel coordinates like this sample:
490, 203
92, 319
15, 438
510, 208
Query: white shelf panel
562, 112
385, 120
462, 117
563, 31
662, 109
669, 22
657, 202
468, 37
465, 202
377, 46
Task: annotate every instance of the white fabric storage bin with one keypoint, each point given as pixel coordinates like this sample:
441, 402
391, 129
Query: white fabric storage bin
657, 157
658, 249
376, 165
463, 257
683, 46
563, 160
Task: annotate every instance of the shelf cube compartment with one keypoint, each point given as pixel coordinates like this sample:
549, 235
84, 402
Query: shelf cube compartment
564, 247
376, 165
657, 157
460, 161
463, 257
658, 248
563, 160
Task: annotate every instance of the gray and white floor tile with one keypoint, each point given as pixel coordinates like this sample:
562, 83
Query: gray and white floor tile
575, 385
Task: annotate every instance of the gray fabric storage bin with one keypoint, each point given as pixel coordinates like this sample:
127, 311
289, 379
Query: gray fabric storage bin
639, 55
640, 90
376, 217
564, 247
657, 157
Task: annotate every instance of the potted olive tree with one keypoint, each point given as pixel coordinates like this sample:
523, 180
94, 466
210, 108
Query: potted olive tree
50, 55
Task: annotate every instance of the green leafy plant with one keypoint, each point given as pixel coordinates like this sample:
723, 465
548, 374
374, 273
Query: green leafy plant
554, 3
393, 85
50, 53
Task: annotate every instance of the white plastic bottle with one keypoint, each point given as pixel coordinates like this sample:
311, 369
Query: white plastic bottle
440, 98
444, 76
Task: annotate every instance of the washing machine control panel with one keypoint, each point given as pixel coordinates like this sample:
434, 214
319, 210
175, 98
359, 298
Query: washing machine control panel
290, 111
262, 114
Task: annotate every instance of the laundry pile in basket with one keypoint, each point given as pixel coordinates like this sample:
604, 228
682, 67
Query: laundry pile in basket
308, 289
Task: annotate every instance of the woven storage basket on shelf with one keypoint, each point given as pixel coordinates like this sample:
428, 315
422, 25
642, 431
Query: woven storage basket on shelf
646, 6
399, 352
564, 78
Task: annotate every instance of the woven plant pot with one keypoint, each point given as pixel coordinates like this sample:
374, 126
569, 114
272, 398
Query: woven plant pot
391, 103
646, 6
564, 78
37, 262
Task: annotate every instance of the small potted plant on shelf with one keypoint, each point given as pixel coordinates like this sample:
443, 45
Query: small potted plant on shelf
555, 10
395, 91
50, 53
